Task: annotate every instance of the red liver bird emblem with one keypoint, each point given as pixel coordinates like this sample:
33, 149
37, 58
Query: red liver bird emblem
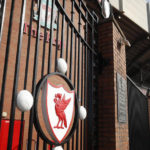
58, 110
60, 106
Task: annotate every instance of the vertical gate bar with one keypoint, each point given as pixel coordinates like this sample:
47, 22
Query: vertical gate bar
62, 31
21, 131
92, 40
44, 145
92, 72
90, 88
16, 75
68, 145
37, 143
85, 95
6, 59
85, 76
50, 147
34, 78
85, 37
75, 55
43, 57
63, 146
45, 37
89, 120
78, 84
89, 117
51, 38
57, 36
81, 94
28, 47
67, 42
79, 23
3, 7
71, 44
26, 73
71, 48
78, 77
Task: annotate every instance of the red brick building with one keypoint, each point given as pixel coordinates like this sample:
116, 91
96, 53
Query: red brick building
93, 47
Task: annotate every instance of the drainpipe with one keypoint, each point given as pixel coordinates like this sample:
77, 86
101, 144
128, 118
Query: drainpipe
120, 5
148, 15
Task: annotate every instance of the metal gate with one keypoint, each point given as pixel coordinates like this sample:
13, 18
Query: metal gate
139, 134
29, 50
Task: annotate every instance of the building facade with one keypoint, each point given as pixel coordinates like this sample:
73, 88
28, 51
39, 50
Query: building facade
91, 41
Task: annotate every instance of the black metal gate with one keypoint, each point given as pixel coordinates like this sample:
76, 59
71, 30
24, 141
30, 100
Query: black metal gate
139, 133
29, 51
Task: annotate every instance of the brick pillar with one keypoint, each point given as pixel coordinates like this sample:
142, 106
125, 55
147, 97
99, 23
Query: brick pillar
112, 135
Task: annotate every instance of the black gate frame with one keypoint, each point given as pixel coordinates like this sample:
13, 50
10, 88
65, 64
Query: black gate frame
87, 62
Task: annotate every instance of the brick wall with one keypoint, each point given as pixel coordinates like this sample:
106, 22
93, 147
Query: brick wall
112, 135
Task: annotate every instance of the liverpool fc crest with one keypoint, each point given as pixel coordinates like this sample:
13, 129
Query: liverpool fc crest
58, 110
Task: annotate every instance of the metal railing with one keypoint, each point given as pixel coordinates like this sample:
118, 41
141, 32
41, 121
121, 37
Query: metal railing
79, 52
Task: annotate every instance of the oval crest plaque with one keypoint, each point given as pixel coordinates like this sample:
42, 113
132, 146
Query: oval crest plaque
56, 108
